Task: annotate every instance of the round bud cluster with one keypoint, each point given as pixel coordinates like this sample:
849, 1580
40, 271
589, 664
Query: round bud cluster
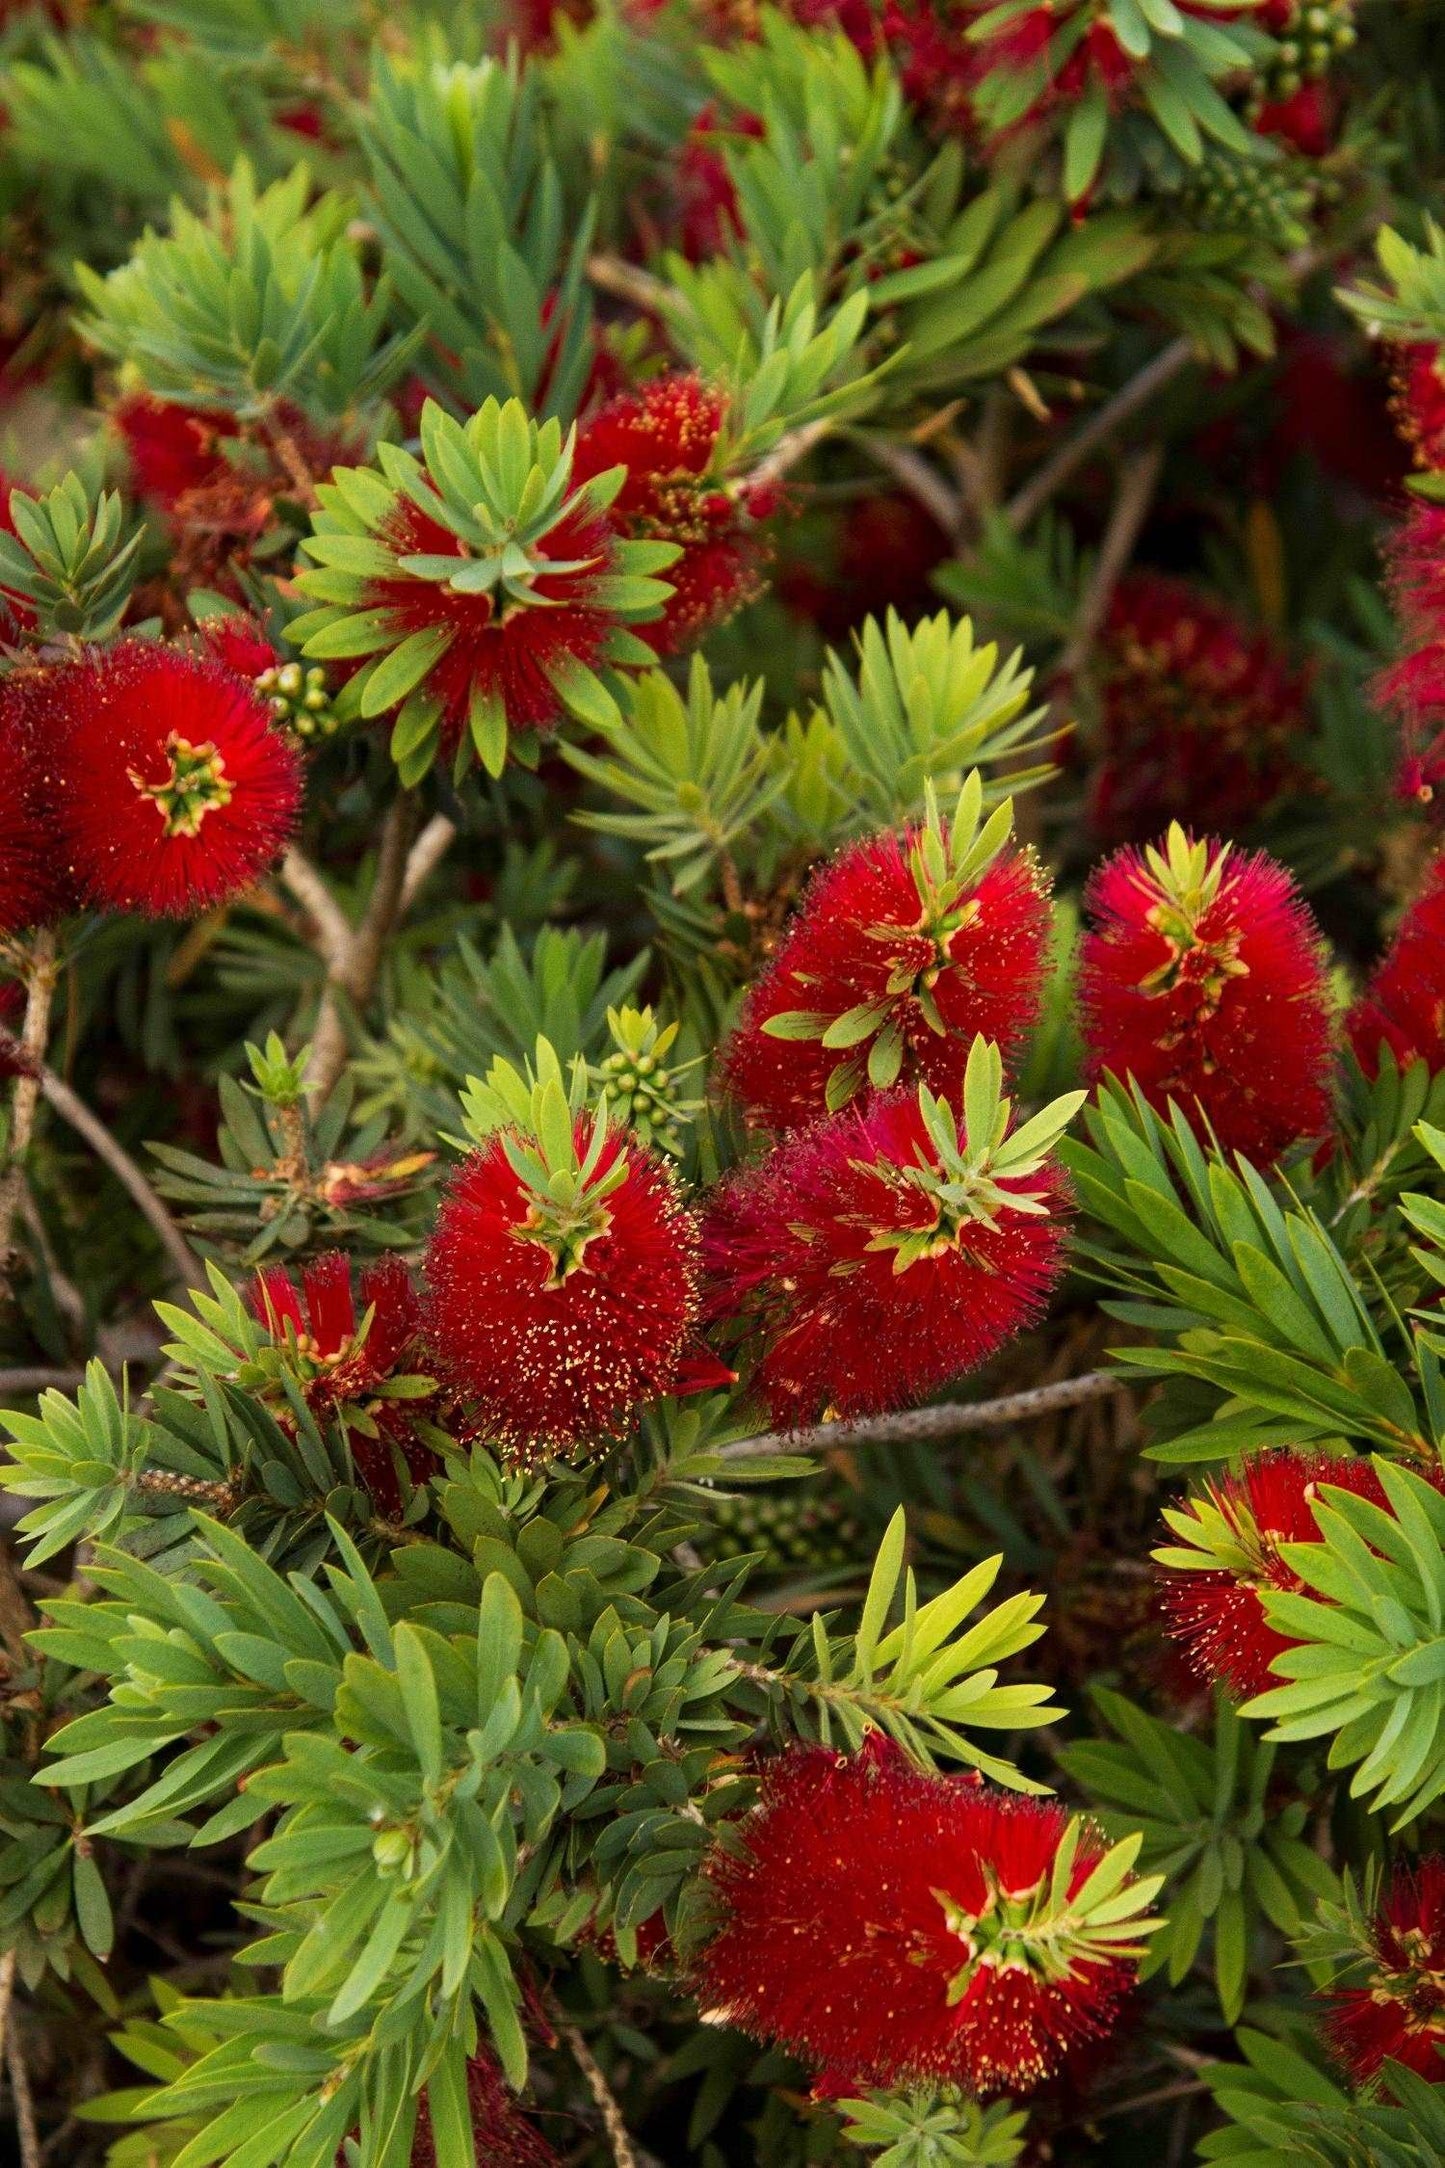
816, 1532
1310, 35
1237, 195
298, 698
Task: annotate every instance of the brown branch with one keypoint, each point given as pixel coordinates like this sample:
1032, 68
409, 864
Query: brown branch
425, 855
1168, 363
39, 1380
72, 1109
623, 2151
922, 481
629, 282
41, 973
1133, 495
792, 447
353, 971
331, 933
26, 2128
917, 1425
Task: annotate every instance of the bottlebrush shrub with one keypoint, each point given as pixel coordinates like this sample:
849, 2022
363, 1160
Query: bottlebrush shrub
892, 1927
1403, 1006
562, 1279
671, 439
484, 590
1389, 2005
880, 1253
34, 889
1229, 1549
1202, 719
170, 789
904, 950
1418, 404
1203, 979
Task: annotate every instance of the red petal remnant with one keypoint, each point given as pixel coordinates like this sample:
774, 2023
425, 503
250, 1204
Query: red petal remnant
874, 1920
556, 1355
1204, 980
803, 1254
1418, 404
34, 890
1398, 2014
1403, 1006
174, 790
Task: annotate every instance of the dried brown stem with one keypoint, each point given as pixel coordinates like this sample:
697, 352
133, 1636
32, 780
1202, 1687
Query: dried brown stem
354, 966
623, 2151
628, 282
42, 971
1168, 363
39, 1380
790, 449
331, 928
72, 1109
425, 855
919, 477
932, 1424
26, 2127
1133, 495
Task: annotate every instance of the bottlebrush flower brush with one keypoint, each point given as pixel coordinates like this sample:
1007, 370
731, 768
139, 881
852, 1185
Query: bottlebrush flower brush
1396, 2010
482, 592
883, 1252
1204, 980
562, 1276
1403, 1007
894, 1928
905, 948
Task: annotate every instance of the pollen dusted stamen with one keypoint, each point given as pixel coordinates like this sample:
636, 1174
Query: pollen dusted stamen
196, 784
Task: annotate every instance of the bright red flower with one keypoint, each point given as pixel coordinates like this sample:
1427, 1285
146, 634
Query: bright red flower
869, 1261
295, 693
1306, 120
34, 888
500, 655
173, 790
343, 1369
1397, 2014
1201, 714
241, 644
172, 449
918, 967
1214, 1610
1403, 1007
1204, 980
1418, 404
503, 2136
876, 1922
668, 437
558, 1341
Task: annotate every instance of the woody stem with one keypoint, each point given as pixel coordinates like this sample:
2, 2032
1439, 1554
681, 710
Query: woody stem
40, 980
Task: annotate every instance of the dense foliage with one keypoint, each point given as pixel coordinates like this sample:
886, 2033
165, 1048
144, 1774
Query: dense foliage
722, 1017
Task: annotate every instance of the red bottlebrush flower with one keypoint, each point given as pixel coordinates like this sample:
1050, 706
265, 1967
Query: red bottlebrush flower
1415, 555
1403, 1007
295, 693
557, 1322
875, 558
706, 201
1306, 120
667, 436
34, 888
172, 449
1397, 2013
1201, 715
343, 1370
1418, 404
875, 1257
883, 1925
173, 790
241, 644
1204, 980
904, 949
503, 2135
1229, 1553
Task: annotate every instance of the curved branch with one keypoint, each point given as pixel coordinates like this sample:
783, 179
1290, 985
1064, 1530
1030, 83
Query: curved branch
950, 1421
73, 1109
425, 855
1168, 363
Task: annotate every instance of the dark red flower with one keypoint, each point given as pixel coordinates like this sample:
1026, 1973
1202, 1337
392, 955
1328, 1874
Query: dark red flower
869, 1260
1204, 980
668, 436
172, 449
173, 792
34, 888
1418, 404
1201, 715
1307, 119
706, 201
883, 1925
1403, 1007
555, 1333
1415, 555
503, 2136
344, 1360
885, 960
1232, 1534
874, 557
1397, 2014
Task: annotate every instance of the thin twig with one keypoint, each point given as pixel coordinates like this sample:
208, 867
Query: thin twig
72, 1109
425, 855
332, 928
39, 1381
26, 2127
790, 448
1133, 495
623, 2151
40, 978
629, 282
353, 972
919, 477
8, 1964
1168, 363
931, 1424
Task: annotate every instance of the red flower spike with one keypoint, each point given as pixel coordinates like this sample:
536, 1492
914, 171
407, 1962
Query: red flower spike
175, 792
668, 436
1418, 404
504, 2137
1204, 980
904, 950
344, 1370
1403, 1006
880, 1254
1228, 1553
894, 1928
559, 1319
1200, 714
34, 890
707, 203
172, 449
1398, 2013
